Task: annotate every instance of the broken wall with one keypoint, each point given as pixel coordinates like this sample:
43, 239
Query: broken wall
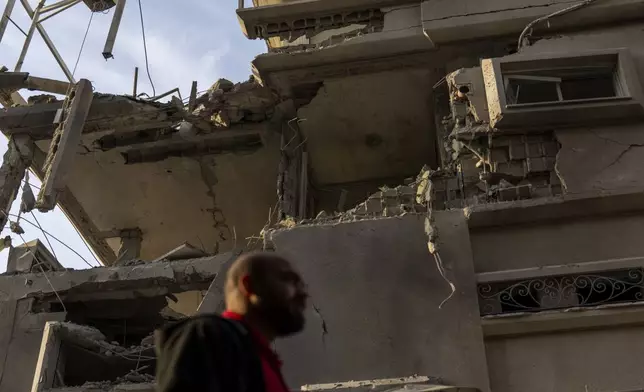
592, 361
375, 295
367, 127
20, 337
601, 157
521, 160
213, 201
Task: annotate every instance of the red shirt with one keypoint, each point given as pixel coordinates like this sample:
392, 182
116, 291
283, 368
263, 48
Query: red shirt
271, 363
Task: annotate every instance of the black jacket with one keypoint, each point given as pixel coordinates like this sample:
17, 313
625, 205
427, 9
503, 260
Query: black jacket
207, 354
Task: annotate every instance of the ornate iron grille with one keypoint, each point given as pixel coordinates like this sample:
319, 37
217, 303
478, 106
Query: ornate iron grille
560, 292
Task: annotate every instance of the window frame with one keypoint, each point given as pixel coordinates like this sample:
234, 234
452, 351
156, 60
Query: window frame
627, 104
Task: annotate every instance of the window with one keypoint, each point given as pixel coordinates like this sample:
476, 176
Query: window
559, 89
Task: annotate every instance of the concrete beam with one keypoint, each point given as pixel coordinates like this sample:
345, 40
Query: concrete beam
130, 244
13, 81
147, 279
77, 215
15, 163
47, 85
107, 112
217, 142
62, 150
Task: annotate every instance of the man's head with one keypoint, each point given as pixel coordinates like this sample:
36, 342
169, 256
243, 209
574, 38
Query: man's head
265, 288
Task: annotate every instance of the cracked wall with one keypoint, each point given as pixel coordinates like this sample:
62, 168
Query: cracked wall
375, 292
533, 163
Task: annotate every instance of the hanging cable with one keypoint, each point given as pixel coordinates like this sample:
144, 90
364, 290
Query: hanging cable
86, 244
145, 51
58, 240
91, 16
44, 273
46, 236
527, 31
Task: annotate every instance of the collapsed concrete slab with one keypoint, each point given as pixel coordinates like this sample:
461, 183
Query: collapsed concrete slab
116, 304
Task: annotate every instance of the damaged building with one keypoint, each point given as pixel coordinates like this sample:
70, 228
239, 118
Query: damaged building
459, 183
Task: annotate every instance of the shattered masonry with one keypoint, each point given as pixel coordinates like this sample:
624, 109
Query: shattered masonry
415, 161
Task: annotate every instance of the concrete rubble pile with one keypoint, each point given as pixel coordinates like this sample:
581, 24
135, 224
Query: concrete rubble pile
226, 104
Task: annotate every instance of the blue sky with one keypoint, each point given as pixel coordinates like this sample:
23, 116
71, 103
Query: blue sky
187, 40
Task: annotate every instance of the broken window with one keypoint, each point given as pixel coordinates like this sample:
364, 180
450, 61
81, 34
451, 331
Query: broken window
554, 89
562, 84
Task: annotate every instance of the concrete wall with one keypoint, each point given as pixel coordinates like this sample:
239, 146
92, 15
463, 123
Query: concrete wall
376, 291
556, 243
370, 126
601, 157
20, 338
579, 361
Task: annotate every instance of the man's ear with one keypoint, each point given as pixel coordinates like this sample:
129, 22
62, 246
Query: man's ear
245, 286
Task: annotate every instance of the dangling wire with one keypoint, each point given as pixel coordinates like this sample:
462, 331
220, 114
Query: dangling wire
91, 17
145, 51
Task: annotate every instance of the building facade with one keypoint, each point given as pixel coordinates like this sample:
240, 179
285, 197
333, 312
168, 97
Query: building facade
458, 182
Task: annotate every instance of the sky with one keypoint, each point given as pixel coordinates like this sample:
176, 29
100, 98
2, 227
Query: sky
186, 40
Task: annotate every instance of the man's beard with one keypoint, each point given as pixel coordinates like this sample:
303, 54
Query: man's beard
285, 321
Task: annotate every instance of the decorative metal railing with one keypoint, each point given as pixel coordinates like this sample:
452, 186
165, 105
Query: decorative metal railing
558, 292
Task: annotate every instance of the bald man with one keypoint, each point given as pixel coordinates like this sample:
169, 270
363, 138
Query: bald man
265, 300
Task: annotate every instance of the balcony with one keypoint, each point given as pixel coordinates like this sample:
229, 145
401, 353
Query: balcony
274, 18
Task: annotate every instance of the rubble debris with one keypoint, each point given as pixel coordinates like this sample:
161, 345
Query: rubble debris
16, 228
225, 104
27, 200
41, 99
15, 163
183, 252
32, 256
5, 243
489, 166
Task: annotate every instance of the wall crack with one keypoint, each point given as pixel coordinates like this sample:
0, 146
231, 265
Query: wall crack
500, 11
325, 330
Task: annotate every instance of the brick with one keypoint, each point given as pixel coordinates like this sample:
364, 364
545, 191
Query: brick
374, 206
391, 201
502, 141
507, 194
499, 155
542, 191
468, 168
361, 209
537, 165
377, 195
517, 151
515, 168
392, 210
534, 150
439, 184
538, 138
389, 193
550, 149
550, 163
539, 181
524, 191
